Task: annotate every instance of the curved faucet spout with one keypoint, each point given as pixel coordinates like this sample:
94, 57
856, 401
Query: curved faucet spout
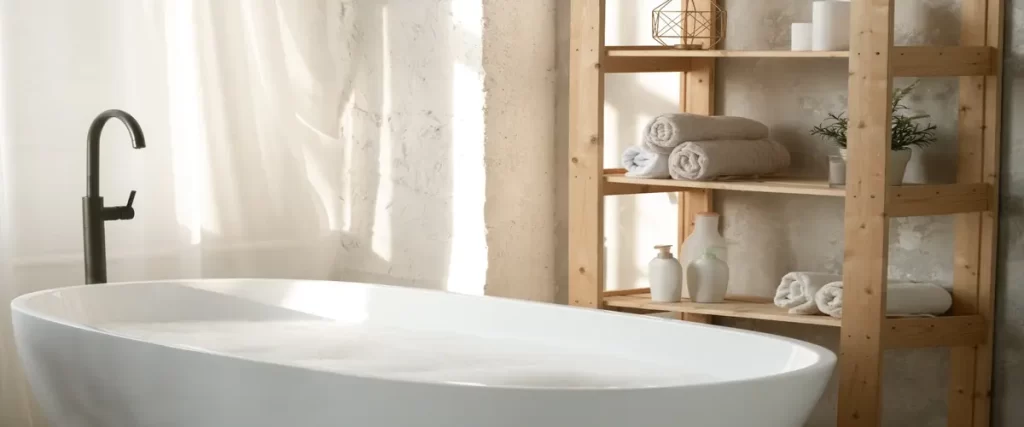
93, 140
93, 211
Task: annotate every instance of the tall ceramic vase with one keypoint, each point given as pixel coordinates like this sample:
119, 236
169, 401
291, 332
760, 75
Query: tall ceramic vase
705, 237
897, 167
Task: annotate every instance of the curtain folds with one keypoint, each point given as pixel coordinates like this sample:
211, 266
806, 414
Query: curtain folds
240, 104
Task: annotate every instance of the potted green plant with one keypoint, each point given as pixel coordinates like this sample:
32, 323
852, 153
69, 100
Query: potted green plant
907, 132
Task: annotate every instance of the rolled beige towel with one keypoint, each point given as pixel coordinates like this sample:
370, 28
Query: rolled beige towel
668, 131
902, 299
707, 160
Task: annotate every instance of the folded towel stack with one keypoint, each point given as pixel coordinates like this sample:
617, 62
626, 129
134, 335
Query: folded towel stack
902, 299
821, 293
697, 147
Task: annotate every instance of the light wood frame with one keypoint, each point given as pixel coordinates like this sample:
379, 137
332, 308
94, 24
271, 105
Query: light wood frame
869, 203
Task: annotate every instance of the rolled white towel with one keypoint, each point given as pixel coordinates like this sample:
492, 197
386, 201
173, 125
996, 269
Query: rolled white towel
707, 160
902, 299
797, 290
643, 163
669, 131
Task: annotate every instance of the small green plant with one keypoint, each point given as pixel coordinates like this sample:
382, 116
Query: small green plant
906, 131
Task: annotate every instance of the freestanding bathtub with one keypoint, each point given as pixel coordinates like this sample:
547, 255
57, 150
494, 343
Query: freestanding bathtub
252, 353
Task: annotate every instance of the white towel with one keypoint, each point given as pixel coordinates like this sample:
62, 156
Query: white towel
643, 163
669, 131
797, 290
707, 160
902, 299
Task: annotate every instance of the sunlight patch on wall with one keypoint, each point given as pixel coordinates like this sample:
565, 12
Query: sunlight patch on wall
346, 183
468, 15
467, 270
381, 240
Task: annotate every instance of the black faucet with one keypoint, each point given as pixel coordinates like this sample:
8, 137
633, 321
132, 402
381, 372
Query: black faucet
93, 212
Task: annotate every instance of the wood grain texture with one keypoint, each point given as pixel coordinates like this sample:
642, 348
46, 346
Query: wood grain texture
586, 153
866, 225
996, 10
939, 61
918, 332
739, 309
670, 52
967, 227
810, 187
624, 292
938, 199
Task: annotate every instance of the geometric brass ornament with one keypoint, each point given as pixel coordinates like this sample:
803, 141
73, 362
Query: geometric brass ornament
679, 23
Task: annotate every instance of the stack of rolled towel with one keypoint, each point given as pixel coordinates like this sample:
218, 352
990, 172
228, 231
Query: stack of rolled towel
820, 293
697, 147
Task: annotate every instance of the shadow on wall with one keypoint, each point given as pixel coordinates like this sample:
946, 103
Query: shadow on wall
398, 131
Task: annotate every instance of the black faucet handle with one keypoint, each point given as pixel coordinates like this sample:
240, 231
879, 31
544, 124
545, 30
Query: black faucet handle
115, 213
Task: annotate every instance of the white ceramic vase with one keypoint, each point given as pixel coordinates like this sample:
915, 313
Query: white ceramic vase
665, 275
705, 236
897, 167
707, 279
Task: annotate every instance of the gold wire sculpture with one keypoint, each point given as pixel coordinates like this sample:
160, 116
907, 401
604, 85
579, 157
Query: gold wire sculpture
681, 24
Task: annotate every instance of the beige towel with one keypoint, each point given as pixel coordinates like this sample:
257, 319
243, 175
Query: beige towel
902, 299
669, 131
707, 160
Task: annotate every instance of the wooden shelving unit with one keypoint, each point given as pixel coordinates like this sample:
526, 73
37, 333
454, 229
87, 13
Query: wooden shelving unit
869, 203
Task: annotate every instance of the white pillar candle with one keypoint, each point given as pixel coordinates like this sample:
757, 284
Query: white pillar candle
831, 25
800, 36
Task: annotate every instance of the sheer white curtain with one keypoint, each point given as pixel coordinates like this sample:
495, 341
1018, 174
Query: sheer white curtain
240, 104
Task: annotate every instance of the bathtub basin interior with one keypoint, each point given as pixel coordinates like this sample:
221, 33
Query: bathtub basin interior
419, 335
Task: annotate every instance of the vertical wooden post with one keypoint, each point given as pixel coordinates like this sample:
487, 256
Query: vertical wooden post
697, 95
967, 227
586, 153
866, 225
978, 141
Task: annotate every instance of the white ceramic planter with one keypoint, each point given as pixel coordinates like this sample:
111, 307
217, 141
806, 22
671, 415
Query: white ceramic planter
897, 167
708, 279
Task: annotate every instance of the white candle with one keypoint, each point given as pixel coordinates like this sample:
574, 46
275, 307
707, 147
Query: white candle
800, 36
831, 25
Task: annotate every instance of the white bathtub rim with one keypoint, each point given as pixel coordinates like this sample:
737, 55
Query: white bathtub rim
826, 359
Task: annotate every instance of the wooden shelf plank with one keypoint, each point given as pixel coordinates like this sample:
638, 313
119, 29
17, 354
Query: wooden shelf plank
740, 309
669, 52
907, 61
940, 61
620, 184
946, 331
941, 199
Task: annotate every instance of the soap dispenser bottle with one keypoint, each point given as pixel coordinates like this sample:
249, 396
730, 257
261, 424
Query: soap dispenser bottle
666, 276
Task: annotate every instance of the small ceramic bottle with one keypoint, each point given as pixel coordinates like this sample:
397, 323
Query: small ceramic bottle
666, 276
707, 278
705, 235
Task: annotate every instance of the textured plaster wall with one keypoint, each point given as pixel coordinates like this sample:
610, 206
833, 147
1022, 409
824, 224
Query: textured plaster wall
448, 133
776, 234
519, 64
